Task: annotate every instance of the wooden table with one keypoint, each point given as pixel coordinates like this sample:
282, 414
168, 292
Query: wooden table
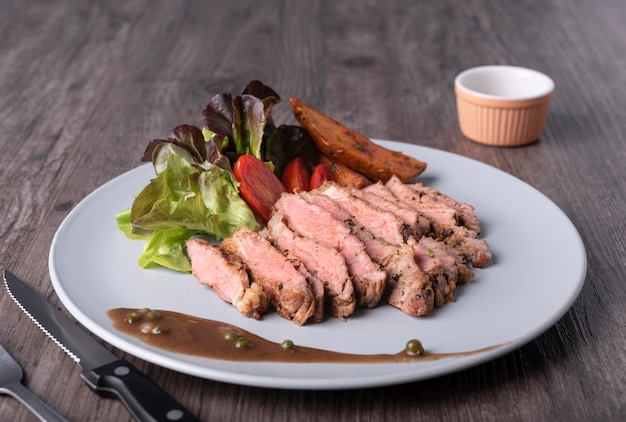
85, 84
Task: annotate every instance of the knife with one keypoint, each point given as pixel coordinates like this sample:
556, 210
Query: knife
105, 373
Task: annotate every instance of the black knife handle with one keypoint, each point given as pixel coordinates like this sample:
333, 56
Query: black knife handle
143, 398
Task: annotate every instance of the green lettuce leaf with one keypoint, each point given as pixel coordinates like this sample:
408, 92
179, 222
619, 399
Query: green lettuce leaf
125, 225
184, 199
166, 248
161, 248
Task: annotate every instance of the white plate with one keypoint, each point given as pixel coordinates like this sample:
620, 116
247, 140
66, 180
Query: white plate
537, 271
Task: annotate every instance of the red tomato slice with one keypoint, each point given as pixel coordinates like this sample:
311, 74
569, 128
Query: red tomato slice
296, 176
259, 186
321, 174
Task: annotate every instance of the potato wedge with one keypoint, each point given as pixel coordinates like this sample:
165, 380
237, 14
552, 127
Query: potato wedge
343, 174
352, 149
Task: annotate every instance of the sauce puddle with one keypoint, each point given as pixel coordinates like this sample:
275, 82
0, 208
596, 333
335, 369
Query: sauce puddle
185, 334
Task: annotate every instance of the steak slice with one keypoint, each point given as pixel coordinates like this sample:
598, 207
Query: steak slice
228, 276
407, 215
379, 189
315, 284
410, 289
444, 223
310, 220
440, 215
443, 281
467, 216
287, 289
407, 288
324, 262
453, 263
381, 223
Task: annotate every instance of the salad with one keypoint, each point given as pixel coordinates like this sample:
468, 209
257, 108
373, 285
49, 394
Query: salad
201, 171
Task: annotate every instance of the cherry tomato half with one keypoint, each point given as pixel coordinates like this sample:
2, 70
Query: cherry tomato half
296, 176
259, 186
321, 174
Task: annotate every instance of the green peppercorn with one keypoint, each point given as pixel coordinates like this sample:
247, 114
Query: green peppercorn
242, 343
133, 317
414, 347
152, 314
157, 329
287, 345
230, 336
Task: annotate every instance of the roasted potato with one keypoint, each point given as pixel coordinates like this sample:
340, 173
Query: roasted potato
352, 149
344, 175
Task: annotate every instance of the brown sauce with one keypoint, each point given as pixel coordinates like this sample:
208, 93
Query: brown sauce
191, 335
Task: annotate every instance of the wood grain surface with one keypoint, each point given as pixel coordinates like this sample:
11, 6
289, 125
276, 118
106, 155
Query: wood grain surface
84, 85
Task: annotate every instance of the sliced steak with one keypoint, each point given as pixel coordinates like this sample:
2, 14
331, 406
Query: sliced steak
451, 260
383, 224
454, 267
408, 288
439, 214
287, 289
323, 261
467, 216
315, 284
382, 191
442, 280
476, 251
228, 276
444, 223
366, 214
310, 220
326, 251
408, 216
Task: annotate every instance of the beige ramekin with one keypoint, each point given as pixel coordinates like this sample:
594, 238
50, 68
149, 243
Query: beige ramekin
503, 105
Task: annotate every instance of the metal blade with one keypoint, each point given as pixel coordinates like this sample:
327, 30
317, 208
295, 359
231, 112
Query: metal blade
74, 340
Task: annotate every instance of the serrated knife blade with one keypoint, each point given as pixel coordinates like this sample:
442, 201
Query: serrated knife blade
102, 371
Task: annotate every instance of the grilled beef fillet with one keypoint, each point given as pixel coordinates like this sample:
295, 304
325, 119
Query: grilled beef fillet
441, 262
323, 261
407, 287
335, 248
286, 288
382, 191
315, 284
408, 216
443, 282
453, 263
310, 220
394, 232
466, 214
383, 224
429, 251
228, 276
444, 223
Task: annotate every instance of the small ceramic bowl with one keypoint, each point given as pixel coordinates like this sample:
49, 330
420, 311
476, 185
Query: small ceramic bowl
503, 105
